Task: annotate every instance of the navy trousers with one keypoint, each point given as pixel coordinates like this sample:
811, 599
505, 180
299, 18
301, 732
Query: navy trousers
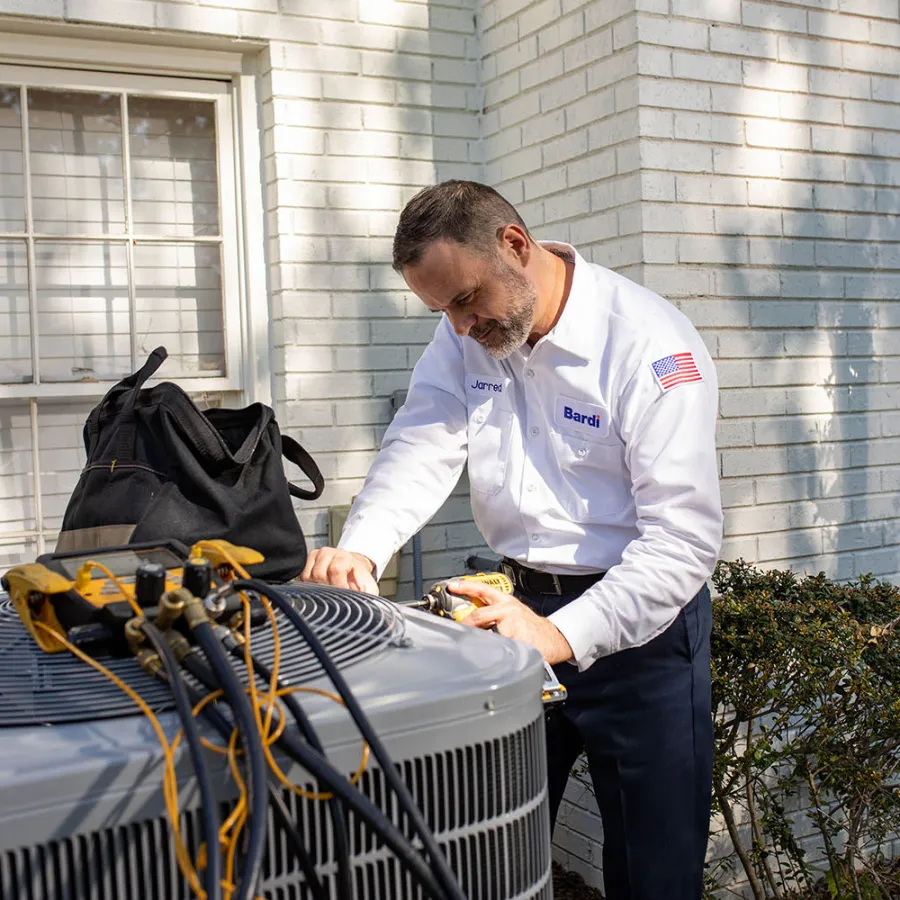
643, 718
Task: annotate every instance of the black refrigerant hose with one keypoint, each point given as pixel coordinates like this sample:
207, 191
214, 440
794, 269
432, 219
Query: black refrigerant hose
336, 813
442, 869
279, 809
202, 673
335, 782
250, 737
213, 874
381, 825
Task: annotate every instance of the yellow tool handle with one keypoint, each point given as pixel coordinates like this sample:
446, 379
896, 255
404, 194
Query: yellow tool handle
496, 580
30, 588
38, 578
220, 553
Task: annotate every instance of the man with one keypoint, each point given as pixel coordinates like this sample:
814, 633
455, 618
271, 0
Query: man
585, 407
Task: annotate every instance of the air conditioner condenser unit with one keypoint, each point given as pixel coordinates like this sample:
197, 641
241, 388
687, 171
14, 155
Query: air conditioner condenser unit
81, 805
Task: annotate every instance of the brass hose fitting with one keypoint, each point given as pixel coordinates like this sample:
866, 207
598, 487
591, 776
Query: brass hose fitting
171, 606
179, 644
236, 624
149, 661
134, 634
194, 611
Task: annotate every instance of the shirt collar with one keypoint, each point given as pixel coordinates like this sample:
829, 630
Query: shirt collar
575, 331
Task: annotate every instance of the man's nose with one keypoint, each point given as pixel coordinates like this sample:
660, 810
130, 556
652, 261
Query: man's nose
462, 322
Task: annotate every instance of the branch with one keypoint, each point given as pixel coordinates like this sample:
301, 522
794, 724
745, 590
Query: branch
739, 848
823, 828
758, 836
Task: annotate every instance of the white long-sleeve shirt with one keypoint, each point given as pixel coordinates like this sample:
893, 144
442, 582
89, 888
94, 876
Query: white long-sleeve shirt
593, 450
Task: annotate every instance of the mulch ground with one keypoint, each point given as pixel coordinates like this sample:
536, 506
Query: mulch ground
571, 886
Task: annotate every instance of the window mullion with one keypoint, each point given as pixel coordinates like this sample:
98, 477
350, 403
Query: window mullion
129, 233
36, 476
29, 243
234, 318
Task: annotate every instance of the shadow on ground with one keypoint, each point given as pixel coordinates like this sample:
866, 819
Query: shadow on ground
571, 886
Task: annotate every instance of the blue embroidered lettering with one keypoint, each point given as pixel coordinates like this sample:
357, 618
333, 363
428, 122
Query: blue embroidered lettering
592, 421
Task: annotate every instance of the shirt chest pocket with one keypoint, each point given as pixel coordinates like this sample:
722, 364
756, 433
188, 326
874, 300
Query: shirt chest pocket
489, 432
595, 482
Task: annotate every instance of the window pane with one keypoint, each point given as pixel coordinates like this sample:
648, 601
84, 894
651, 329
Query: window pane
17, 552
178, 303
16, 469
12, 180
61, 455
75, 142
173, 166
82, 298
15, 323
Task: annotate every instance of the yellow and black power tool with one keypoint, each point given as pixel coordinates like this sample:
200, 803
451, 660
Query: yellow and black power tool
87, 597
441, 601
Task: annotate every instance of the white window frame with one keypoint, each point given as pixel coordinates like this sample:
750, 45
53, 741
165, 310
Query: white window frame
159, 69
146, 86
226, 60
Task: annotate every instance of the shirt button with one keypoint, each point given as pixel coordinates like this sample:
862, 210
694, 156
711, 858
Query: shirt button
535, 430
529, 373
529, 487
581, 451
479, 418
535, 538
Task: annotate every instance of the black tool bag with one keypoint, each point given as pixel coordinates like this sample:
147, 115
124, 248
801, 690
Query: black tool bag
157, 467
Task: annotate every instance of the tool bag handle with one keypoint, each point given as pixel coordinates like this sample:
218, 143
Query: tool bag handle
130, 384
133, 384
294, 453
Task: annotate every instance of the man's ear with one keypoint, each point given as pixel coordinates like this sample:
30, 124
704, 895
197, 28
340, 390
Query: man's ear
514, 240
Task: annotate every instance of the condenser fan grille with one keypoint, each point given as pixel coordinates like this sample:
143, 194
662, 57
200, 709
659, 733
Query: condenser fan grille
38, 688
486, 803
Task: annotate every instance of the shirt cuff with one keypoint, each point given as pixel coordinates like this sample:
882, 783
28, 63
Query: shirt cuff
370, 545
586, 647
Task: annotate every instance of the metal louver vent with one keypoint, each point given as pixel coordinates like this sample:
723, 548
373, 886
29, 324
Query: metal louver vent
38, 688
490, 817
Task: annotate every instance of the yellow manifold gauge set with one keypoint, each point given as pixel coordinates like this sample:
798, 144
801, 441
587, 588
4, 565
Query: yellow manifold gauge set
90, 597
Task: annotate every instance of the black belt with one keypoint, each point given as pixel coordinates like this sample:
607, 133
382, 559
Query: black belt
532, 581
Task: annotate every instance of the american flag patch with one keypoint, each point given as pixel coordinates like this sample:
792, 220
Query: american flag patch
679, 368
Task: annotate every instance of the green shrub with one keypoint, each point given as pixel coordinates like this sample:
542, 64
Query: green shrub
806, 695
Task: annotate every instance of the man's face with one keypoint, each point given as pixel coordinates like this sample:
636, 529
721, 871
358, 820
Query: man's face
485, 297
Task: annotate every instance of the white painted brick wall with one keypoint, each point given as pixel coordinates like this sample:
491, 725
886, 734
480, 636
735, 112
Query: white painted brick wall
560, 125
400, 92
778, 198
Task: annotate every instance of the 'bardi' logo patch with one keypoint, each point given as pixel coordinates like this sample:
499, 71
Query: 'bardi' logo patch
578, 417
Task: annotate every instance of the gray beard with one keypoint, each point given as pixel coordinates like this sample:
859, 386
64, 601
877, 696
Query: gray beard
508, 336
512, 332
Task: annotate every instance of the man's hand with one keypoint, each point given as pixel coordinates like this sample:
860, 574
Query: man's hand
513, 620
340, 568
